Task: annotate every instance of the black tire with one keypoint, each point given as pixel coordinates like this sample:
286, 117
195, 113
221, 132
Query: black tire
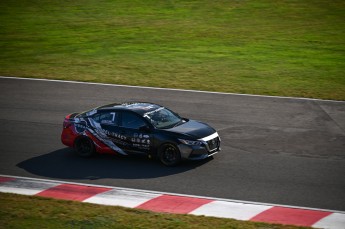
169, 155
84, 147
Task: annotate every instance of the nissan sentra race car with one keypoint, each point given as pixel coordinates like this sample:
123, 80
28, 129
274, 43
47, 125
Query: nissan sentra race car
139, 128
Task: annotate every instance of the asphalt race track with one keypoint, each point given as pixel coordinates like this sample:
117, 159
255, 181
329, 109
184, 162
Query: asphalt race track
274, 150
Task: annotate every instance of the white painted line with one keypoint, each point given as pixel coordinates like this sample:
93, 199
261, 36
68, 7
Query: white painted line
333, 221
124, 198
170, 89
240, 211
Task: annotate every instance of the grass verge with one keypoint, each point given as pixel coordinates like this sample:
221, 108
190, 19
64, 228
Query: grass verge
18, 211
286, 48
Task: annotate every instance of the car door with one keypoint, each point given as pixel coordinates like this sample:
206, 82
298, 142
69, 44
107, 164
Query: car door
106, 126
137, 132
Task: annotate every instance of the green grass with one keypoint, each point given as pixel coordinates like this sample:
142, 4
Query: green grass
287, 48
18, 211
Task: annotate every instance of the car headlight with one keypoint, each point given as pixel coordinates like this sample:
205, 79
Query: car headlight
190, 142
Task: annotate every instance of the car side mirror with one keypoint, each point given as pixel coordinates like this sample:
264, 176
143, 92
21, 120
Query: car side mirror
144, 129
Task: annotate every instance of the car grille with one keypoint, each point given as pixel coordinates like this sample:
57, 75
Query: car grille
213, 144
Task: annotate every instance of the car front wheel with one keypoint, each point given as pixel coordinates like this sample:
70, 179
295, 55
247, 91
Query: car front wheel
85, 147
169, 155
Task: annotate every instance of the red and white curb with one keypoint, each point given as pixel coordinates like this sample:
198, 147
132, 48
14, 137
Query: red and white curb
173, 203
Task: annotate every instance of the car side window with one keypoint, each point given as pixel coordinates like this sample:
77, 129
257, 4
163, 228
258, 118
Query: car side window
109, 118
132, 121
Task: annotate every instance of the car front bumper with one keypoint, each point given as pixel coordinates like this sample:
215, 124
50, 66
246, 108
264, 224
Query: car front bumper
195, 153
210, 146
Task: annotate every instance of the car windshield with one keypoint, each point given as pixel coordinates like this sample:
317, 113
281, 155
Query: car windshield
163, 118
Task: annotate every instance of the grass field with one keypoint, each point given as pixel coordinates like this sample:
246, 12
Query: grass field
288, 48
19, 211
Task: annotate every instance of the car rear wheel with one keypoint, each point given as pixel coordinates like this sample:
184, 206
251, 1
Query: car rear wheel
85, 147
169, 155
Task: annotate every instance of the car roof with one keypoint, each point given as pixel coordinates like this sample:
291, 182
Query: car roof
137, 107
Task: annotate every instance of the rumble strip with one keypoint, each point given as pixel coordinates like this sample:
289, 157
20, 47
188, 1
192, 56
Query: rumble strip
174, 203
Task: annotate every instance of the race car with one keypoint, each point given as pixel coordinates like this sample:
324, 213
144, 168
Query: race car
139, 128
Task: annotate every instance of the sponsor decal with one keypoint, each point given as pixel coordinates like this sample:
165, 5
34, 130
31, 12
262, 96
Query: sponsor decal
151, 112
115, 135
143, 106
80, 127
97, 131
92, 112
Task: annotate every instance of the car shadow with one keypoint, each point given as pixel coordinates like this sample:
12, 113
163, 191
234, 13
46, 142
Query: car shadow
65, 164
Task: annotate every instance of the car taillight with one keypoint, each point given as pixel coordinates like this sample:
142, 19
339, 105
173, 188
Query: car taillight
66, 123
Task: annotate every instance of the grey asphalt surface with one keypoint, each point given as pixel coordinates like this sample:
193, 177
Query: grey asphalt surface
274, 150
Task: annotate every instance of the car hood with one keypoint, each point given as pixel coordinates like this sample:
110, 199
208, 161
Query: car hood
194, 129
